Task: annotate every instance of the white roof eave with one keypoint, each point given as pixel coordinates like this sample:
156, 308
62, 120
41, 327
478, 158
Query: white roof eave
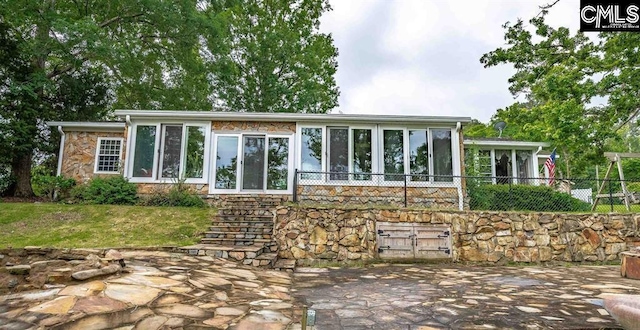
87, 126
285, 117
505, 143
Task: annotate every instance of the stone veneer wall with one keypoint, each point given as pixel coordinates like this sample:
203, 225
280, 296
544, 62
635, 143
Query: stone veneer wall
349, 234
254, 126
79, 156
431, 197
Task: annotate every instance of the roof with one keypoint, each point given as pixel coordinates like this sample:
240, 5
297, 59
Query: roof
504, 142
287, 117
99, 126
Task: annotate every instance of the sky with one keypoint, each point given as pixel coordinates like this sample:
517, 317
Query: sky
422, 57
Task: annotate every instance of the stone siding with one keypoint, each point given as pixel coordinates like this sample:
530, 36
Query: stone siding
253, 126
431, 197
349, 234
153, 188
79, 154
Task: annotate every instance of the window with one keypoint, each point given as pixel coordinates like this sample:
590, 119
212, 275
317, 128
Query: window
311, 152
108, 155
278, 166
393, 154
144, 150
442, 155
226, 162
338, 153
504, 172
180, 155
419, 155
523, 165
362, 160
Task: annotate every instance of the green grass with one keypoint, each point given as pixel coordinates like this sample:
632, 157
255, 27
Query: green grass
606, 208
93, 226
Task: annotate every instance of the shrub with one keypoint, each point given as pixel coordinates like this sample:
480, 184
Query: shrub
178, 195
502, 197
53, 187
112, 190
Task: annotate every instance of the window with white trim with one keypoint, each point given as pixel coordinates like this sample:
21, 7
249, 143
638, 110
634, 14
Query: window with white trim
177, 153
108, 155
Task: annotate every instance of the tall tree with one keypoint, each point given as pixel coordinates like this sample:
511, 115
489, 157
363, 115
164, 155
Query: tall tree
71, 60
272, 58
560, 79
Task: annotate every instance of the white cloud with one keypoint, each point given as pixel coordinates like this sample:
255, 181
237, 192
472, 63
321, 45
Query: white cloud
422, 56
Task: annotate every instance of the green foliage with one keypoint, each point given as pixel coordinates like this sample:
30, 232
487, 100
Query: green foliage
50, 186
178, 195
522, 198
272, 58
111, 190
561, 79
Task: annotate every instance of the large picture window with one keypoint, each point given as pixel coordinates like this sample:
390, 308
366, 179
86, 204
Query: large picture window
393, 154
180, 155
338, 153
442, 155
311, 152
362, 157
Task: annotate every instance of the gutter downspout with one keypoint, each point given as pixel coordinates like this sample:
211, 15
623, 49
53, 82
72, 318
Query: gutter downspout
62, 138
535, 156
462, 185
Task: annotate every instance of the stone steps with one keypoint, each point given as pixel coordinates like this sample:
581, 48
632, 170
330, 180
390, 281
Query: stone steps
257, 256
235, 241
242, 231
237, 235
248, 228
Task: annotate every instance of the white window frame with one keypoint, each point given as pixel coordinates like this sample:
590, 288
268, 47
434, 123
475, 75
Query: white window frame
95, 167
455, 156
240, 169
158, 152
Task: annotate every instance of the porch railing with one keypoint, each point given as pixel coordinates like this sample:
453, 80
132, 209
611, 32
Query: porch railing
467, 192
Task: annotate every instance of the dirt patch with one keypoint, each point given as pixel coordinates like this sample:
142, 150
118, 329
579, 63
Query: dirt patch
61, 216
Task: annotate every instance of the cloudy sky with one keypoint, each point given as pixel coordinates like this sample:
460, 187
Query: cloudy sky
422, 56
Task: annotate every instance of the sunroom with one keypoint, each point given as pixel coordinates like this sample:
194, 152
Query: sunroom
503, 161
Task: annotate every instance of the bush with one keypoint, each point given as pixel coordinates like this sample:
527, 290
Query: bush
53, 187
502, 197
178, 195
112, 190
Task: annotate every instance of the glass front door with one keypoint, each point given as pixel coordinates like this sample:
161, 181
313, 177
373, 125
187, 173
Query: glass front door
252, 163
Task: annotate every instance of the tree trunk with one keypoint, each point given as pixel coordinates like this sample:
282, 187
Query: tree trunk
21, 170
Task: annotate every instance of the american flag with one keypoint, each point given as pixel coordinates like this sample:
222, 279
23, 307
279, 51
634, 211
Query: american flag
551, 166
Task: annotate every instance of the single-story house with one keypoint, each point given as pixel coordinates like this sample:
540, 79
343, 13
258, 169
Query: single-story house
326, 157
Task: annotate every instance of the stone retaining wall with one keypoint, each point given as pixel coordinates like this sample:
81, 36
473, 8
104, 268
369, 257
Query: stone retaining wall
431, 197
349, 234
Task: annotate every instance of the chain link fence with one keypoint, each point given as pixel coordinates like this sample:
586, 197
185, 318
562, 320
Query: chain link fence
467, 192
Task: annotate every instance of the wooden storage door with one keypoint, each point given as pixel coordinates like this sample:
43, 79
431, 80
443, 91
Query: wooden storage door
432, 242
395, 240
413, 241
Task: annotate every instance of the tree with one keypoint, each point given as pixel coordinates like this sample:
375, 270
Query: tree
273, 59
560, 79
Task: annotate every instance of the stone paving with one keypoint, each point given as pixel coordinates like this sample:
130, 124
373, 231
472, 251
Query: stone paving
161, 290
461, 297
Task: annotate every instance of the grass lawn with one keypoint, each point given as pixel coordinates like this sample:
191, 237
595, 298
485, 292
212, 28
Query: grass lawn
86, 226
606, 208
